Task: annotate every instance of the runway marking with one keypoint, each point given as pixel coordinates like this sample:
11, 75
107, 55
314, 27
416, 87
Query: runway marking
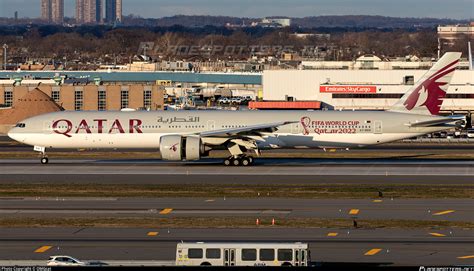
372, 252
377, 200
444, 212
354, 211
332, 234
153, 233
437, 234
466, 257
166, 211
43, 249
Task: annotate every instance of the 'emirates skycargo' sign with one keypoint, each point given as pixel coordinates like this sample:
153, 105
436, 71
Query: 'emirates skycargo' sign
347, 89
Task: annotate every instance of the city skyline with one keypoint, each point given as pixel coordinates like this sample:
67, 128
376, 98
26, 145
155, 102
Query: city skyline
51, 11
455, 9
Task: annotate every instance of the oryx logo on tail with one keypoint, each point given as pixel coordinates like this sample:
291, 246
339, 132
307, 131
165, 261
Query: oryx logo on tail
432, 91
426, 96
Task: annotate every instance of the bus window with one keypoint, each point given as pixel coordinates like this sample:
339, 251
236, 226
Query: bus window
249, 254
267, 254
285, 254
195, 253
213, 253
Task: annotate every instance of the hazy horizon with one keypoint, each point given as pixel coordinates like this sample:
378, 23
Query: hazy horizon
454, 9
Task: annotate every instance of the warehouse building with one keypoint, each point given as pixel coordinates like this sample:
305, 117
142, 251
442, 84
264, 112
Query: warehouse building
361, 89
91, 97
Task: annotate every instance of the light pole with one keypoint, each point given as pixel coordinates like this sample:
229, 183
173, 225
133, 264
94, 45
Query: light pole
5, 47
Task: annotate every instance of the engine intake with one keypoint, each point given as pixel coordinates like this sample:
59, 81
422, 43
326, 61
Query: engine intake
177, 148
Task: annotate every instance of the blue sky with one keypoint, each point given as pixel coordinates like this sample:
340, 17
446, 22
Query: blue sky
455, 9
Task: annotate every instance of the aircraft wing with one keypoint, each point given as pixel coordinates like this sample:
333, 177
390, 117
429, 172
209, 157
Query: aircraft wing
437, 121
247, 130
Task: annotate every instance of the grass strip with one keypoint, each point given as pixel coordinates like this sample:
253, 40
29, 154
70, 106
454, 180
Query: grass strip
221, 222
323, 191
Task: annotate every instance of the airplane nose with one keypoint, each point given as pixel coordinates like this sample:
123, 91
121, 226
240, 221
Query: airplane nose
12, 134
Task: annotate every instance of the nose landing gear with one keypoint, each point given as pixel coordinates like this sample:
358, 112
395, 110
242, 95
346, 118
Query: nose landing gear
44, 160
241, 160
42, 150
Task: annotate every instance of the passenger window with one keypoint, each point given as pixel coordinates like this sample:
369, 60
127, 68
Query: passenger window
285, 255
249, 254
195, 253
267, 254
213, 253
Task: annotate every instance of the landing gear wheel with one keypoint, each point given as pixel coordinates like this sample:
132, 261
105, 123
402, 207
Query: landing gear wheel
236, 162
251, 160
227, 162
44, 160
245, 162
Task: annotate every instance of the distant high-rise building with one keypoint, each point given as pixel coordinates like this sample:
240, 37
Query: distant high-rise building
16, 16
113, 11
52, 11
98, 11
46, 10
88, 11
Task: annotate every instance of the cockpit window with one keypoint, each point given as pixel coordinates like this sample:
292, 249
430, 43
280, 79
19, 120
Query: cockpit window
20, 125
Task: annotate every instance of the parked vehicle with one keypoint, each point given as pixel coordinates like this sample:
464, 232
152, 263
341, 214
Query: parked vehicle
64, 261
242, 254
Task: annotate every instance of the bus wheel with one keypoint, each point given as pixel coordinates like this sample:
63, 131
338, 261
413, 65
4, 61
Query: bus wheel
205, 264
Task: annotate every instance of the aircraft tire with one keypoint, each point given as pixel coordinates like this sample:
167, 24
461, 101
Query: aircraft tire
44, 160
236, 162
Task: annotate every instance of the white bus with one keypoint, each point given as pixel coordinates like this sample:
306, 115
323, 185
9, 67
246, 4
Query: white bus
242, 254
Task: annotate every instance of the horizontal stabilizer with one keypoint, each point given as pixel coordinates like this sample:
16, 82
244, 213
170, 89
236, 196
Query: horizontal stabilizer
437, 121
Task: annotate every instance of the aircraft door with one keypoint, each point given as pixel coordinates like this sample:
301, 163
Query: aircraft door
295, 128
211, 125
378, 127
47, 129
229, 257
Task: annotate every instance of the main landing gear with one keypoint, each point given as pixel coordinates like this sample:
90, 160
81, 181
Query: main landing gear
241, 160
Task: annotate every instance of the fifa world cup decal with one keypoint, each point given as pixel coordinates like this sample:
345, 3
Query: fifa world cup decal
305, 123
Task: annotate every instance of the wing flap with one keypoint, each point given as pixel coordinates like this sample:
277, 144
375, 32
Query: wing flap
250, 130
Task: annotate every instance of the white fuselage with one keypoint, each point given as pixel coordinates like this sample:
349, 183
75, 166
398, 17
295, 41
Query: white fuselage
310, 129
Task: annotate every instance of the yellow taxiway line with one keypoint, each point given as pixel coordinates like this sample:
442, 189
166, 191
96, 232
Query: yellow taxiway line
354, 211
166, 211
444, 212
437, 234
372, 251
43, 249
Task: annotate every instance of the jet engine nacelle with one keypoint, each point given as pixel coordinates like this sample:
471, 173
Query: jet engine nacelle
177, 148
